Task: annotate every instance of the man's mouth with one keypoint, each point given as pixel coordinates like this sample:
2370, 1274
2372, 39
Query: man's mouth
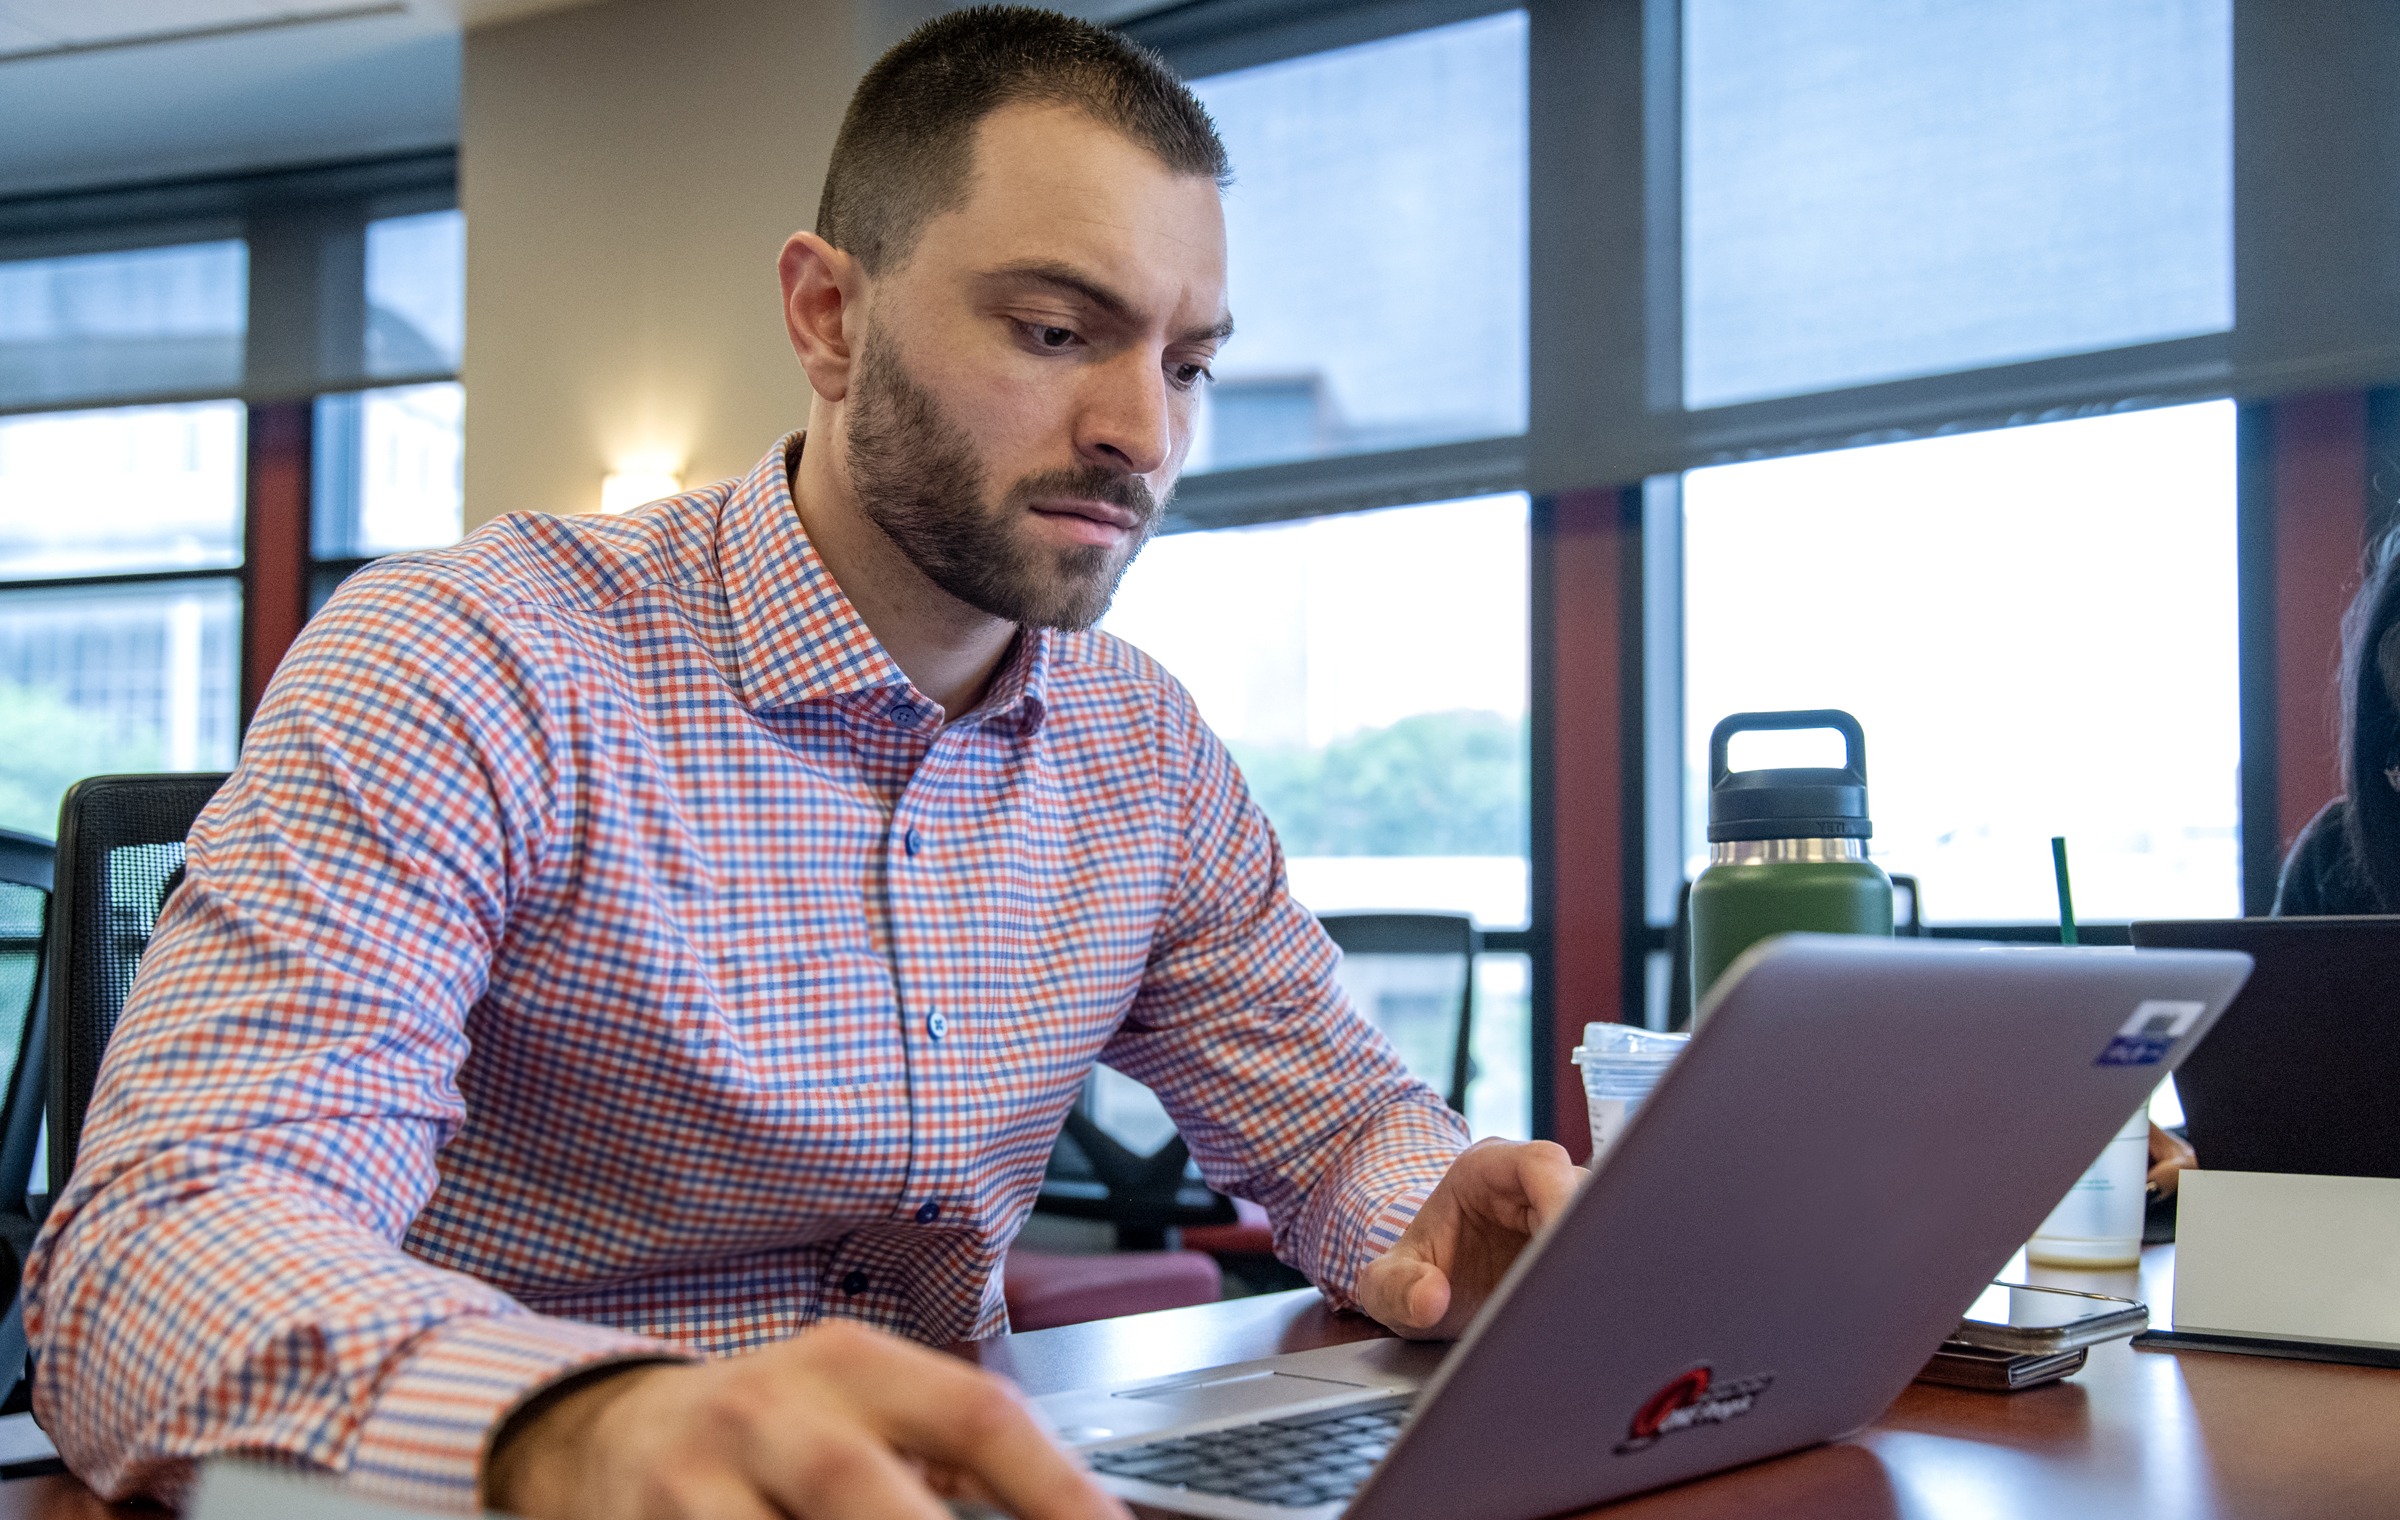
1089, 521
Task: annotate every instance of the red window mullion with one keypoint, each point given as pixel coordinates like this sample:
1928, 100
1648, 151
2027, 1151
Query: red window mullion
274, 540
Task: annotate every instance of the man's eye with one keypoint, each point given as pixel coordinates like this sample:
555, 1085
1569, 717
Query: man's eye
1189, 375
1054, 337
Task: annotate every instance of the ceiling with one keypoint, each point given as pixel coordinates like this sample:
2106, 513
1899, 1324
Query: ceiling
40, 28
109, 92
114, 92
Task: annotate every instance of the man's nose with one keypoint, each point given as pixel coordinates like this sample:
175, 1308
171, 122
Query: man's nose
1127, 422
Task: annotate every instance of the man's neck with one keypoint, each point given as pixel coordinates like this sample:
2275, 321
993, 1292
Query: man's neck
946, 648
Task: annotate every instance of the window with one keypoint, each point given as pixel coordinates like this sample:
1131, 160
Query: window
1368, 673
130, 678
142, 321
110, 492
390, 470
140, 484
2035, 626
1365, 178
1792, 233
416, 293
1877, 189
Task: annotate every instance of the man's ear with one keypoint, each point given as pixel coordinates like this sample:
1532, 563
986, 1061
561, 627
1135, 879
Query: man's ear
824, 304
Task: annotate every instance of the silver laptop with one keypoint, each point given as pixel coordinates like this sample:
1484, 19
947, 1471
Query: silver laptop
1858, 1139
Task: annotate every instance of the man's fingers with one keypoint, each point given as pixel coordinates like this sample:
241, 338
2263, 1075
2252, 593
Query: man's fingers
717, 1495
1406, 1293
1549, 1180
942, 1409
836, 1471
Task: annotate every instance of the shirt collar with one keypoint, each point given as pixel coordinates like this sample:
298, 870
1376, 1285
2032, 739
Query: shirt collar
798, 639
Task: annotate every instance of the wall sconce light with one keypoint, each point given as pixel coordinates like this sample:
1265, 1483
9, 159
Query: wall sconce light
637, 481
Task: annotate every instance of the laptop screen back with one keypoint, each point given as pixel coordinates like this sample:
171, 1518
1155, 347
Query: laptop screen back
2302, 1073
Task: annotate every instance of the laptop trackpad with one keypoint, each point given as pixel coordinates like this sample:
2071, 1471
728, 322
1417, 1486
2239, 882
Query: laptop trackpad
1207, 1398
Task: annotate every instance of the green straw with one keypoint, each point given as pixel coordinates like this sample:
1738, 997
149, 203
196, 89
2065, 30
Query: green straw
2066, 894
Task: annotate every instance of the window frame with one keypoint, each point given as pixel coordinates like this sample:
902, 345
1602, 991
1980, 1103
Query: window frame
303, 292
1606, 421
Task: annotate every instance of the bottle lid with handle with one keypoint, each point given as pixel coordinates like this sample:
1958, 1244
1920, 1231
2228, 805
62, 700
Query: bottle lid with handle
1794, 802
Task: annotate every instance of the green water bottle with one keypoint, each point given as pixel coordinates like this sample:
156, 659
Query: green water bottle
1787, 849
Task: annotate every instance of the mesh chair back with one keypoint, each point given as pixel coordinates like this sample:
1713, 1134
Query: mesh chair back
25, 876
1422, 994
120, 852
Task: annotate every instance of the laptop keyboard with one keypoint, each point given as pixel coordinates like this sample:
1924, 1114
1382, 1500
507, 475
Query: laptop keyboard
1297, 1461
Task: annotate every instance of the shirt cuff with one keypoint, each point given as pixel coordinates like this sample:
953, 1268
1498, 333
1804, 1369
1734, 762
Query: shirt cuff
1381, 1233
423, 1441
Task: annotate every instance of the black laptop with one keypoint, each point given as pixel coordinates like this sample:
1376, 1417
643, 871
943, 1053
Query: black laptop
2302, 1074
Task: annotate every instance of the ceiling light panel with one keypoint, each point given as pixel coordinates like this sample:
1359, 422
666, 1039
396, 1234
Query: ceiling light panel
40, 26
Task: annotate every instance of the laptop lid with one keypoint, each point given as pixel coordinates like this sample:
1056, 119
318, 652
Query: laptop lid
1858, 1138
2300, 1073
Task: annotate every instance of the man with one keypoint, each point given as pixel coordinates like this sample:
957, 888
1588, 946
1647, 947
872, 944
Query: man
632, 941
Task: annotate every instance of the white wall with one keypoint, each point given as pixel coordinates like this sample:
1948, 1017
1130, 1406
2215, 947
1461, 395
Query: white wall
629, 171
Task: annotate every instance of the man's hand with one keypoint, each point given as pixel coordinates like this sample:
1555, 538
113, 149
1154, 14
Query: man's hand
1490, 1202
839, 1420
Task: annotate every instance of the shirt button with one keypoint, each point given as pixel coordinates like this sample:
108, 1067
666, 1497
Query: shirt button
855, 1283
937, 1025
912, 841
928, 1212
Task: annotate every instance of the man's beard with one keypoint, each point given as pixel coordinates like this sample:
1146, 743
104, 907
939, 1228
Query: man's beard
917, 478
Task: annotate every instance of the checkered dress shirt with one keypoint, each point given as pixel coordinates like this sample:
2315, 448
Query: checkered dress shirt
603, 951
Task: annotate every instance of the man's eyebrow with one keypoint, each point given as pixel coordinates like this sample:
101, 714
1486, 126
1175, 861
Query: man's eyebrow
1216, 332
1071, 281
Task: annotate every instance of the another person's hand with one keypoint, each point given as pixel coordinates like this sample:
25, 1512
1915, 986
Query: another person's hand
2169, 1155
1487, 1206
840, 1420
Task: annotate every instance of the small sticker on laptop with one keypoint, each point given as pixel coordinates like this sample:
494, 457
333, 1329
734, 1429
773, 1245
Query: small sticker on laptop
1692, 1398
2153, 1030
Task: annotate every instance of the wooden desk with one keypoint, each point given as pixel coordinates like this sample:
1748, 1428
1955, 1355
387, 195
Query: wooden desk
2159, 1435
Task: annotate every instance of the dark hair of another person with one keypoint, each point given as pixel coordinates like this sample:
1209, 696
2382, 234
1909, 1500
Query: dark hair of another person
2371, 723
905, 153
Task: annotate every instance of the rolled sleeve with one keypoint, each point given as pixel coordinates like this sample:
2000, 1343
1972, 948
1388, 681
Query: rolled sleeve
425, 1438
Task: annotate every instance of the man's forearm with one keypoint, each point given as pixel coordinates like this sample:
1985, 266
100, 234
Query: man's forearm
179, 1310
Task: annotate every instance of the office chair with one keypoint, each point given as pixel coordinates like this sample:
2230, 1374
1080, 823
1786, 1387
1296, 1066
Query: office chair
25, 877
120, 854
1094, 1175
1393, 966
1908, 922
27, 865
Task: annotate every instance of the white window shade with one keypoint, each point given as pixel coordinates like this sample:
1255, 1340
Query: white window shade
1376, 238
1881, 189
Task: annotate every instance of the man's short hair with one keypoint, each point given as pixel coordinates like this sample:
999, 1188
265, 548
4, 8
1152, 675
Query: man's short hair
906, 150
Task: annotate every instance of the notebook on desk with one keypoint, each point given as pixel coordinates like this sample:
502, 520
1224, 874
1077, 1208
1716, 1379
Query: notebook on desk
1857, 1140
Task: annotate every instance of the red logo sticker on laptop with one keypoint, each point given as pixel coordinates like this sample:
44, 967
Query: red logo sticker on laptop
2152, 1032
1692, 1398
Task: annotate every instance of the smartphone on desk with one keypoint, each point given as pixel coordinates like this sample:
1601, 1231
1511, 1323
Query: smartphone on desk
2024, 1320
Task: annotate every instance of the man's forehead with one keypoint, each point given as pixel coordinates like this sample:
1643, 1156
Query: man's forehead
1053, 186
